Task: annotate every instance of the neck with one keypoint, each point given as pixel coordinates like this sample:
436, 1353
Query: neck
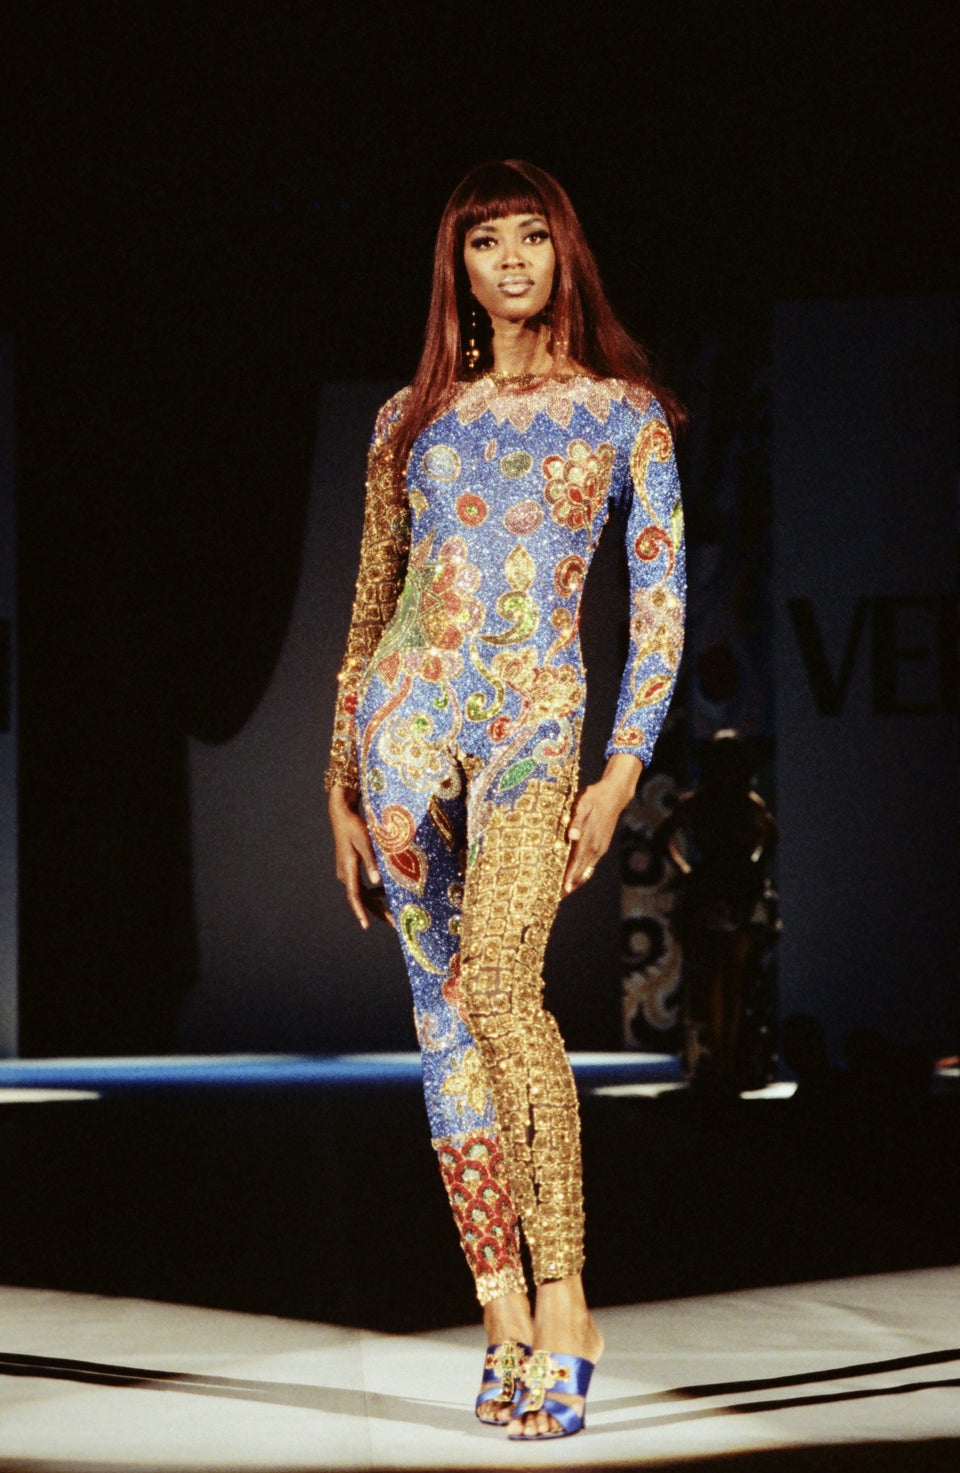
521, 347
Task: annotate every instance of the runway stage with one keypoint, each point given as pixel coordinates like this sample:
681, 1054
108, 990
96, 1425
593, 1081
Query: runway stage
854, 1373
266, 1242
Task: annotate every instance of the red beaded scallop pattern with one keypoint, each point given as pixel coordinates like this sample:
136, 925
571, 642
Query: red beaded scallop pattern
474, 1174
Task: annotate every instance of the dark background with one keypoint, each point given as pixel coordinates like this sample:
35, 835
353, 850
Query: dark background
211, 209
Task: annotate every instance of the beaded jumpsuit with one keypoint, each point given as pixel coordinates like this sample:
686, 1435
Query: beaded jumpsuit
458, 719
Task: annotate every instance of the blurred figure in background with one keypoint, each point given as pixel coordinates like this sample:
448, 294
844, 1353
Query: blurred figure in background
720, 838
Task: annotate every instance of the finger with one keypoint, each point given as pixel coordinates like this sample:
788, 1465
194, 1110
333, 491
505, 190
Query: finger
573, 839
578, 818
365, 849
582, 861
351, 882
578, 877
576, 864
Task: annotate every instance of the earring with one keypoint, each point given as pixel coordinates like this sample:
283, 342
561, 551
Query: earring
472, 355
558, 347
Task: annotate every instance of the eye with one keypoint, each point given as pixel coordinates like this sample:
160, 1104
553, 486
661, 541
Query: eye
481, 242
538, 236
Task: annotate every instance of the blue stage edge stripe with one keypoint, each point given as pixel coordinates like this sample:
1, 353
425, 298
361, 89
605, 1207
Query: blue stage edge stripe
292, 1070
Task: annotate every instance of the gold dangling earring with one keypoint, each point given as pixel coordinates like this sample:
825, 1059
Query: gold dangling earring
557, 347
472, 355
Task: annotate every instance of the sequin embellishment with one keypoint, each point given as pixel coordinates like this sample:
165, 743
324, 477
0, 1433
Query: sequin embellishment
458, 720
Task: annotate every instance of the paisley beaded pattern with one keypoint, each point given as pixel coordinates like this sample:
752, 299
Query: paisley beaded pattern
506, 496
458, 717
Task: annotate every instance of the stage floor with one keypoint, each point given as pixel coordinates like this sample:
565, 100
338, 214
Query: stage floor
774, 1277
855, 1373
267, 1186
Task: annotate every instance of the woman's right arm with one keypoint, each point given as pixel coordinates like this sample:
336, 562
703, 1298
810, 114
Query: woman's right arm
383, 563
383, 560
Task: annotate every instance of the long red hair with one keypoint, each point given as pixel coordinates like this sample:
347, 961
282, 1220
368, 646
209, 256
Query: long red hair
582, 319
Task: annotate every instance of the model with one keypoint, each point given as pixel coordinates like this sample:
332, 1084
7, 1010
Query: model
454, 774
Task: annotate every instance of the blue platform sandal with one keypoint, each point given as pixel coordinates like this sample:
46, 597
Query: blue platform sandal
501, 1377
541, 1374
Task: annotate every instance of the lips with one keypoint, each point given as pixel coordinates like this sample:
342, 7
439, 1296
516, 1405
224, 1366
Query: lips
515, 286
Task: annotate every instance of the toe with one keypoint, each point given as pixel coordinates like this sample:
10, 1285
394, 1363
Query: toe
534, 1424
495, 1411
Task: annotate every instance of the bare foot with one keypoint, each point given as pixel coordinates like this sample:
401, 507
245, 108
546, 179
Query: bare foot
564, 1325
506, 1318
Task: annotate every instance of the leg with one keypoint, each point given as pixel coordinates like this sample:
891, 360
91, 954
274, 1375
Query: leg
419, 836
512, 892
513, 889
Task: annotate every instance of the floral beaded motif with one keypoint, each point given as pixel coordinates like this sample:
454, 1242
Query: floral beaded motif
506, 528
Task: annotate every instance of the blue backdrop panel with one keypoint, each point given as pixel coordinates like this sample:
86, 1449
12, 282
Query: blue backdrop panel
865, 457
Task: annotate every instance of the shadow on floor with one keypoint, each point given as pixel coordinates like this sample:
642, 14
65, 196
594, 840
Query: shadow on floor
932, 1455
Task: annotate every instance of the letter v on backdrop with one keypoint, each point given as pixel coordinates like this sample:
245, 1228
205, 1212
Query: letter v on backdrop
913, 671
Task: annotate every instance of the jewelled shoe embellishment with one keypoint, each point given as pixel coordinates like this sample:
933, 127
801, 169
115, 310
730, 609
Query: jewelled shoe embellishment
541, 1373
502, 1368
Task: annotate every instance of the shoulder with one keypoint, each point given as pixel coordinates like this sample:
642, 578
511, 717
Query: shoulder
638, 405
643, 430
624, 406
390, 413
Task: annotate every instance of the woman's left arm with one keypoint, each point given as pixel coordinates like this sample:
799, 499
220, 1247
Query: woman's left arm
655, 551
656, 559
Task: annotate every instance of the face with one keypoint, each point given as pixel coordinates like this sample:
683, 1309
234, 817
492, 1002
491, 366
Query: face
510, 265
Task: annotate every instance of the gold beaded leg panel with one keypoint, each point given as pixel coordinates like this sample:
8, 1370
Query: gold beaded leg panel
513, 888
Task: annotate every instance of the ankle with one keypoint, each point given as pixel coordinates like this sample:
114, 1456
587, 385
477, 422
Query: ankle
564, 1322
508, 1318
562, 1298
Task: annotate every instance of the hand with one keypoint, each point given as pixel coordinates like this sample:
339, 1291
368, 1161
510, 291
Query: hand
351, 839
596, 813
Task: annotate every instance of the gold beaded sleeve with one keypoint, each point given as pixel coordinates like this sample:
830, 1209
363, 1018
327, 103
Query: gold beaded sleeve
383, 564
